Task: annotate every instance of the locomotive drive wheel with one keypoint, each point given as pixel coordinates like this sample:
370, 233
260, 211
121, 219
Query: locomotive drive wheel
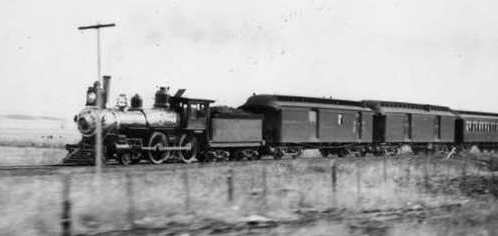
157, 141
188, 156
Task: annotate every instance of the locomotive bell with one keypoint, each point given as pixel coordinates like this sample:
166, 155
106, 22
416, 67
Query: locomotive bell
136, 102
122, 102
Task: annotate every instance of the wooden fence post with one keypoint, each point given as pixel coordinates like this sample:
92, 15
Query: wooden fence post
384, 168
358, 184
333, 177
131, 200
186, 184
230, 185
426, 173
408, 177
66, 205
265, 187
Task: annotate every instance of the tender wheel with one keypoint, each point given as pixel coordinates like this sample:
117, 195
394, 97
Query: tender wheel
297, 154
278, 154
157, 141
324, 152
125, 159
236, 155
188, 156
136, 157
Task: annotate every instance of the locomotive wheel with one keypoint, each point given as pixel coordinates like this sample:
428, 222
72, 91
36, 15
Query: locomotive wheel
188, 156
158, 140
125, 159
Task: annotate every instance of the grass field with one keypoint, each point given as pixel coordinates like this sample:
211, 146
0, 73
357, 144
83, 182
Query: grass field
37, 132
376, 196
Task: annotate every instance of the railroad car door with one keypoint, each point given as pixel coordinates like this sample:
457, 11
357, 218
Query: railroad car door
460, 128
407, 127
379, 128
359, 125
437, 127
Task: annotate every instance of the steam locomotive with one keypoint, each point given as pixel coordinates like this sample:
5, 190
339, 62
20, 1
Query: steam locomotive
175, 128
186, 129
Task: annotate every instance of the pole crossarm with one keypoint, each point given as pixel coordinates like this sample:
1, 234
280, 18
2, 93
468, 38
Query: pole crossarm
97, 26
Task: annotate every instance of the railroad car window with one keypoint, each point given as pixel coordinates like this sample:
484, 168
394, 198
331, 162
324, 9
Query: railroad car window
340, 119
359, 123
313, 119
468, 126
312, 116
197, 111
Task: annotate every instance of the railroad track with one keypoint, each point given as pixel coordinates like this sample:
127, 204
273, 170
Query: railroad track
22, 170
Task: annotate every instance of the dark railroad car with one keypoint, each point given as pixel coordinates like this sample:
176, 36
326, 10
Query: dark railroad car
477, 128
420, 125
235, 133
291, 121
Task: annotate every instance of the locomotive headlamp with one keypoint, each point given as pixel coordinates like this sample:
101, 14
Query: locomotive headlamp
91, 98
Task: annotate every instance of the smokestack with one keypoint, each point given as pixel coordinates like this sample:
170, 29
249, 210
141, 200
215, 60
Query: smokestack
107, 87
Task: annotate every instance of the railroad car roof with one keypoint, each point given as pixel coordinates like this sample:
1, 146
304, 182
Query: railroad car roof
277, 102
475, 114
384, 107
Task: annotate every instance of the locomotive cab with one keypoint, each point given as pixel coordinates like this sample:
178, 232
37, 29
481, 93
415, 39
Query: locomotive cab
194, 113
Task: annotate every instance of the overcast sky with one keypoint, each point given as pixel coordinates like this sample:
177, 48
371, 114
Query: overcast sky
427, 51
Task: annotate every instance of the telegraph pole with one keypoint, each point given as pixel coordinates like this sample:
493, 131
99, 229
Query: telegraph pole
98, 128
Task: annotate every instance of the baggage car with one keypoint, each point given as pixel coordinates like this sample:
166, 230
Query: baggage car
293, 123
422, 126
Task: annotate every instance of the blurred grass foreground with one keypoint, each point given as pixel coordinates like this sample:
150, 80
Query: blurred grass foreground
375, 196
